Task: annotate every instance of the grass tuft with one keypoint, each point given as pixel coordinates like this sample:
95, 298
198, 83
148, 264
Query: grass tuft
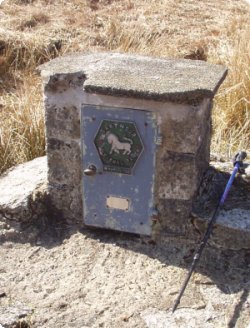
33, 21
22, 124
231, 117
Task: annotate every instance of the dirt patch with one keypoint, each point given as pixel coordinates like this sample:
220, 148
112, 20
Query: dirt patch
95, 278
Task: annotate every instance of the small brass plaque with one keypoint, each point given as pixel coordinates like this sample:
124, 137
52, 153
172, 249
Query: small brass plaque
117, 203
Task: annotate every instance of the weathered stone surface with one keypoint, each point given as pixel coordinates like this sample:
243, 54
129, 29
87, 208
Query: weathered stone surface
63, 102
174, 215
188, 316
138, 76
179, 174
104, 279
62, 107
66, 200
63, 122
180, 94
64, 158
231, 231
23, 200
15, 316
22, 190
184, 127
20, 186
232, 227
64, 176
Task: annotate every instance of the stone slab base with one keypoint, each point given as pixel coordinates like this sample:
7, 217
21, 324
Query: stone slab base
23, 200
232, 227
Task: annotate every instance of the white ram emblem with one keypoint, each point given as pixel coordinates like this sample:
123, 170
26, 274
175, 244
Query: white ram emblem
117, 146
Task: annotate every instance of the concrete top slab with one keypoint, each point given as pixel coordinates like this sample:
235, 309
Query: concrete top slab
140, 76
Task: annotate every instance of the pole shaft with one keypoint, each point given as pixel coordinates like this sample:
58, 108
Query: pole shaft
206, 235
230, 181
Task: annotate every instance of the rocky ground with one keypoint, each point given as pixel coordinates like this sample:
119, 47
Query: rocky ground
94, 278
57, 276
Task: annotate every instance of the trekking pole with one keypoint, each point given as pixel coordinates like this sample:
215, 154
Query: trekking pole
238, 163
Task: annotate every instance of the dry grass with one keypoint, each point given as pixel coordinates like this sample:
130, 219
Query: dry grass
22, 124
34, 31
232, 106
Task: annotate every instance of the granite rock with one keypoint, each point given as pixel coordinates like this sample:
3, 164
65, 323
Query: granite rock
15, 316
23, 200
22, 186
138, 76
232, 227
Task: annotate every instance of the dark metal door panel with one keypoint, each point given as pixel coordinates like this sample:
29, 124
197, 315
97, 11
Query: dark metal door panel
118, 152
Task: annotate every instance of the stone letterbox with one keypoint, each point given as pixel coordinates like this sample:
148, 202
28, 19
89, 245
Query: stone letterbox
128, 138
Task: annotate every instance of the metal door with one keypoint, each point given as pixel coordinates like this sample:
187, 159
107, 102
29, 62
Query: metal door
118, 158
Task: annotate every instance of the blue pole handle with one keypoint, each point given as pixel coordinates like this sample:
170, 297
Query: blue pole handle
229, 183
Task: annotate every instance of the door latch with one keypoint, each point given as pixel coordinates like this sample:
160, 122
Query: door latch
90, 171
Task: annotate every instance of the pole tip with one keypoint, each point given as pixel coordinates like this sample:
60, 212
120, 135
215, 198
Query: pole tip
175, 307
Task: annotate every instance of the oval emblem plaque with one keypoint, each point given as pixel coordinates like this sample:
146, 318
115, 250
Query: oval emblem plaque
119, 146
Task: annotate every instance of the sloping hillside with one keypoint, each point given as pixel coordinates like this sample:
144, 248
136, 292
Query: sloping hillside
34, 31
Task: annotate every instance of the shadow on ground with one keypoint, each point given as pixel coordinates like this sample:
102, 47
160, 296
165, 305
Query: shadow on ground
228, 270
